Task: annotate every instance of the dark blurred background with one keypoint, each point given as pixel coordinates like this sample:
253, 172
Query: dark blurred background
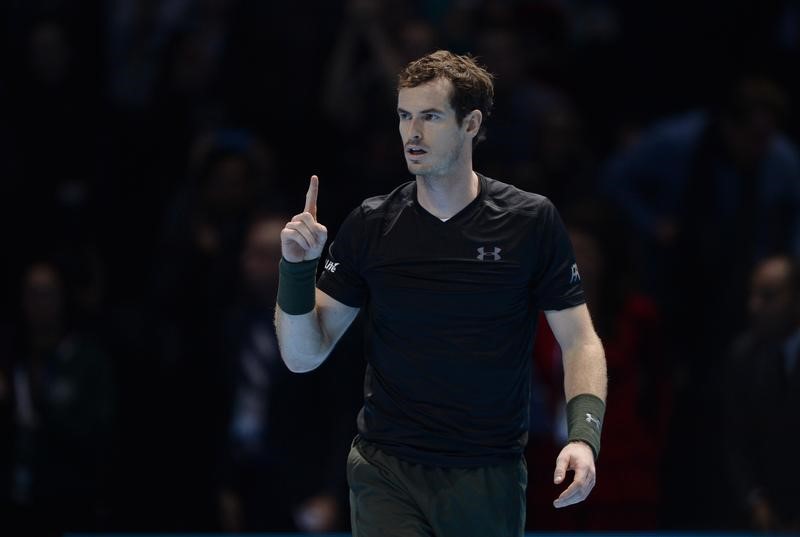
150, 152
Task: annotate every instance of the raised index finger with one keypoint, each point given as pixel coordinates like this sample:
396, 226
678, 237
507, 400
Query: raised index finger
311, 196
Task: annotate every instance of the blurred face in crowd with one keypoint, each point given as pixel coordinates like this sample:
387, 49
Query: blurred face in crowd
262, 251
42, 296
48, 52
748, 138
433, 139
228, 185
417, 38
561, 143
500, 49
773, 301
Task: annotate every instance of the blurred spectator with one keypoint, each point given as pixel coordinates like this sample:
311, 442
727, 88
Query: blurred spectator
632, 331
707, 194
459, 23
138, 34
197, 77
54, 114
58, 386
229, 176
511, 127
369, 52
708, 180
194, 282
359, 95
762, 403
102, 102
168, 75
561, 165
286, 434
533, 119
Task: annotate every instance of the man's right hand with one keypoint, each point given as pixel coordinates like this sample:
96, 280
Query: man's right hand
303, 238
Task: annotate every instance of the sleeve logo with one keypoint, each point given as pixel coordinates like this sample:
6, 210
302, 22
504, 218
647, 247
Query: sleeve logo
575, 277
330, 266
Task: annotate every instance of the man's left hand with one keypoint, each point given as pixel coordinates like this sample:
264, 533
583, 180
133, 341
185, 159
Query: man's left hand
578, 457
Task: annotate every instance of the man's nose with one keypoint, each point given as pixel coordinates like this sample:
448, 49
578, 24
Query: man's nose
416, 129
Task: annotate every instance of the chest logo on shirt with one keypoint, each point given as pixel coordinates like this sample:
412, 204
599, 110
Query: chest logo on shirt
576, 277
330, 266
493, 255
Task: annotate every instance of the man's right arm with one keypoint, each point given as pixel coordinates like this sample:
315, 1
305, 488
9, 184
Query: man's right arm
315, 321
306, 340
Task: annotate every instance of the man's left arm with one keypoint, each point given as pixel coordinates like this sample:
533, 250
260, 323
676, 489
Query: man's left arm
585, 388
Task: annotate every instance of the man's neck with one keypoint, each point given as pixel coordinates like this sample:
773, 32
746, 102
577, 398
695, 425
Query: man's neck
445, 196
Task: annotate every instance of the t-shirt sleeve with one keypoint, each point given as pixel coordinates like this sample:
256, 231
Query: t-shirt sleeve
556, 282
341, 275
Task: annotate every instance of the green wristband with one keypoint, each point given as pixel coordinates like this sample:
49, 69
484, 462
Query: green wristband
585, 414
296, 286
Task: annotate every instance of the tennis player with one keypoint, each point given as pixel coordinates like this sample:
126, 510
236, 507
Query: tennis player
451, 269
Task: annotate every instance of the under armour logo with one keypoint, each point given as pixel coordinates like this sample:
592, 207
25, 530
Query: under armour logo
591, 419
331, 266
576, 277
494, 254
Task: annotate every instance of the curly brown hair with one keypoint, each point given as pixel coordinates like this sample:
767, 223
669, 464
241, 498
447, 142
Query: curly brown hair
473, 86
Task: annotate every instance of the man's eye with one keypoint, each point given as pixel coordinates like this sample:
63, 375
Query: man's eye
431, 117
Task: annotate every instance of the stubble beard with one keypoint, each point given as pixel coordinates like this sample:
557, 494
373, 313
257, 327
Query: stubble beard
433, 172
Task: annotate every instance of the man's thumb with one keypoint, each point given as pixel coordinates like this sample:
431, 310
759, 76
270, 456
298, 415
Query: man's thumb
561, 469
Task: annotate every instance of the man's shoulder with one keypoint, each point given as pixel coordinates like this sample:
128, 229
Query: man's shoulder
398, 198
381, 211
509, 198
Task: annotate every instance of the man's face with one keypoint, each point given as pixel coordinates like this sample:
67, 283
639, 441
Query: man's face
433, 139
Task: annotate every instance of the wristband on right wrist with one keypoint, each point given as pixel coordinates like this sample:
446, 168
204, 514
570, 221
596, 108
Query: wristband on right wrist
585, 413
296, 286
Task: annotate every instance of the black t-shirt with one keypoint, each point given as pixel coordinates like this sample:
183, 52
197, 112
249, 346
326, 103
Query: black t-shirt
451, 314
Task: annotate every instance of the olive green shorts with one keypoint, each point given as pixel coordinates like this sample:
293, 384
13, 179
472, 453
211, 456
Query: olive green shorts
390, 497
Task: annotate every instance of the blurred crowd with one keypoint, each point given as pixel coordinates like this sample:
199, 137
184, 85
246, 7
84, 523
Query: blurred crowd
151, 151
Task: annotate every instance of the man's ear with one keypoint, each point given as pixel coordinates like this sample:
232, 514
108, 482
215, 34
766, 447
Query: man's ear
473, 122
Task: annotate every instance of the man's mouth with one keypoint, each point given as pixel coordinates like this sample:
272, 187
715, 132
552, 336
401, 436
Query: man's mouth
415, 151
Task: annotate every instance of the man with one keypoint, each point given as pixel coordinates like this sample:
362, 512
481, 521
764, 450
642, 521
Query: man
452, 269
761, 401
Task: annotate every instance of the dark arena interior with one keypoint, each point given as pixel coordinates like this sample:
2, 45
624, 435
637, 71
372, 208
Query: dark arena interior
151, 153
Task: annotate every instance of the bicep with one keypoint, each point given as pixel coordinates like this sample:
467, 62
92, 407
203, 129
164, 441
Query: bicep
334, 317
571, 326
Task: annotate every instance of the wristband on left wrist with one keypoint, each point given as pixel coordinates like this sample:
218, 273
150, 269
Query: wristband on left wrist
585, 415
